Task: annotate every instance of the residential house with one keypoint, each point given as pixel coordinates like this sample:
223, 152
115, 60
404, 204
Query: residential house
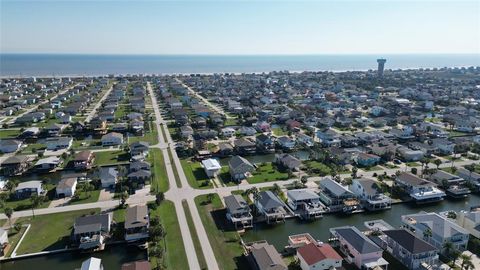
444, 146
454, 185
58, 143
111, 139
420, 190
238, 212
247, 131
90, 232
315, 256
473, 178
186, 131
83, 160
305, 202
66, 187
27, 189
337, 197
263, 256
139, 150
408, 154
48, 163
288, 162
286, 143
137, 223
244, 146
470, 221
270, 207
10, 146
370, 195
329, 137
225, 149
54, 129
108, 177
409, 249
366, 160
240, 168
358, 249
305, 140
437, 230
92, 264
211, 167
262, 126
15, 165
228, 132
264, 143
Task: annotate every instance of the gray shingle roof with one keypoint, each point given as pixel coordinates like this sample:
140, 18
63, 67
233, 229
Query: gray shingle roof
268, 200
358, 240
409, 241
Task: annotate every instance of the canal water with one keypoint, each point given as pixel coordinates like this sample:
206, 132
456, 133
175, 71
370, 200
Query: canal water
277, 235
112, 258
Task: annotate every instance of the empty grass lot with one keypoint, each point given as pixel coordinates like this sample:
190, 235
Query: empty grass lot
49, 232
91, 197
175, 256
9, 133
223, 238
265, 173
160, 178
110, 157
195, 174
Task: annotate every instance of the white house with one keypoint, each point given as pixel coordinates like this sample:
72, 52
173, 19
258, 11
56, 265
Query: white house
66, 187
470, 221
228, 132
211, 167
112, 138
58, 143
109, 177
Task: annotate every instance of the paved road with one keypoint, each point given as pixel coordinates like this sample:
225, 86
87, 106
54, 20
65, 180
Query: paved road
208, 103
92, 113
12, 120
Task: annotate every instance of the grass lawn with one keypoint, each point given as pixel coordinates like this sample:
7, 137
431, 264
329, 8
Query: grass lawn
195, 174
111, 157
265, 173
151, 136
225, 177
451, 158
49, 232
84, 198
458, 133
231, 122
174, 168
119, 215
13, 238
9, 133
412, 164
279, 132
120, 112
175, 257
193, 232
374, 168
223, 238
30, 148
318, 168
160, 178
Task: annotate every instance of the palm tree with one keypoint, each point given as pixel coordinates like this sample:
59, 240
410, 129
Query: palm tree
448, 247
123, 198
9, 213
276, 189
470, 168
304, 180
35, 202
255, 193
465, 259
354, 172
427, 234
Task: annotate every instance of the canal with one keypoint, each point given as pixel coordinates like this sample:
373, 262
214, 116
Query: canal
112, 258
277, 235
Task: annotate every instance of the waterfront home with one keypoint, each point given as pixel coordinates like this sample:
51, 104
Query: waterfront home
111, 139
337, 197
138, 265
31, 132
89, 232
139, 177
409, 249
48, 163
305, 140
316, 256
454, 186
329, 137
473, 178
10, 146
54, 129
299, 240
247, 131
137, 223
240, 168
244, 146
366, 160
238, 212
138, 150
420, 190
15, 165
370, 195
265, 143
3, 241
436, 230
228, 132
262, 126
288, 162
66, 187
108, 177
58, 143
263, 256
305, 202
286, 143
270, 207
83, 160
211, 167
92, 264
358, 249
225, 149
444, 146
470, 221
27, 189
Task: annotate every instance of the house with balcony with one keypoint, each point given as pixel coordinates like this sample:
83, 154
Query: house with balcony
240, 168
455, 186
270, 207
238, 212
286, 143
470, 221
137, 223
306, 203
28, 188
265, 143
370, 195
472, 178
329, 137
244, 146
90, 232
409, 249
358, 249
419, 189
83, 160
436, 230
337, 198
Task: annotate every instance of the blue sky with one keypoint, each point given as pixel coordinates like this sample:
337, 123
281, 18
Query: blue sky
244, 27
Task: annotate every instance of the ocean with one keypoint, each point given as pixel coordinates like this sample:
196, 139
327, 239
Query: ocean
90, 65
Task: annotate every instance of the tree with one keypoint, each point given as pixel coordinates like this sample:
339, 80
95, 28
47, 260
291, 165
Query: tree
465, 260
427, 234
354, 172
35, 201
17, 226
9, 213
276, 189
87, 188
123, 198
304, 180
470, 168
448, 248
210, 197
437, 162
11, 185
159, 197
255, 194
